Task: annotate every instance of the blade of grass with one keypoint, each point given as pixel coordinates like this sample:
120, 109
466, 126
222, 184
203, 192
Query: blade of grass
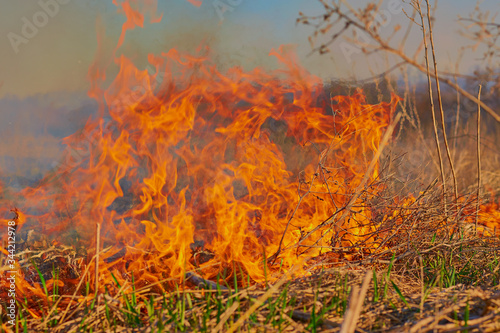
261, 300
375, 287
401, 296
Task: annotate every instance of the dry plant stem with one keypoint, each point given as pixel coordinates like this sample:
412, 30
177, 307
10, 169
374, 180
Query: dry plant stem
455, 76
361, 185
416, 120
261, 300
98, 240
478, 155
225, 316
77, 288
384, 46
183, 319
422, 284
356, 305
443, 126
434, 122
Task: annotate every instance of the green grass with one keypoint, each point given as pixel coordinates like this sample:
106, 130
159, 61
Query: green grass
440, 273
322, 303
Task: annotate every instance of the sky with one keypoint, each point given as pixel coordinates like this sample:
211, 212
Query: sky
57, 57
43, 70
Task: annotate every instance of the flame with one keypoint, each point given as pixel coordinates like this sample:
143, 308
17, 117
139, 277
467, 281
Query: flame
194, 168
134, 11
196, 3
489, 219
201, 163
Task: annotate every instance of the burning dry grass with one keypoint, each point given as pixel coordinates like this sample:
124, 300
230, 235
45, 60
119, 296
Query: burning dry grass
213, 216
244, 231
231, 241
431, 272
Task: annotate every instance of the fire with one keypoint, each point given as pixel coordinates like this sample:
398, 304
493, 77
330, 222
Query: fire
208, 170
489, 219
201, 164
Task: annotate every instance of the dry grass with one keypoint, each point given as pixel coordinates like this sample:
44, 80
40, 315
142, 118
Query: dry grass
423, 268
425, 276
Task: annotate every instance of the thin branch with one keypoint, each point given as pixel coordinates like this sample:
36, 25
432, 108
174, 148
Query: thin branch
431, 99
443, 126
357, 192
478, 156
363, 25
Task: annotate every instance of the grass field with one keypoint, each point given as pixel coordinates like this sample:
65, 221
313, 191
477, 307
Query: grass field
268, 202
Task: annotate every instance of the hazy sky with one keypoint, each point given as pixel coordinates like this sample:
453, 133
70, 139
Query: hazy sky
43, 70
57, 56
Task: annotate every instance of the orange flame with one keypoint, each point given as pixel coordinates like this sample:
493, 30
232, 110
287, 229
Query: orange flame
199, 169
210, 161
193, 168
